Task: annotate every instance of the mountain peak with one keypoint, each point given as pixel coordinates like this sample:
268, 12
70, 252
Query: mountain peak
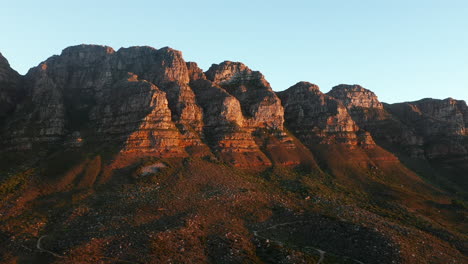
303, 86
228, 72
87, 49
355, 96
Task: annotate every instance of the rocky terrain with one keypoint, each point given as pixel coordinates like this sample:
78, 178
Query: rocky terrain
137, 156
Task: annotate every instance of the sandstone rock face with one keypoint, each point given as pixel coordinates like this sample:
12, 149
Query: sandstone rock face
167, 69
369, 113
355, 96
262, 115
426, 130
144, 99
225, 129
88, 89
317, 118
9, 88
441, 124
149, 100
139, 115
260, 105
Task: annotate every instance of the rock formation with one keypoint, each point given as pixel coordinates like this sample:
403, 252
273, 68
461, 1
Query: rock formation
442, 127
369, 113
424, 131
259, 103
149, 100
126, 156
10, 89
317, 118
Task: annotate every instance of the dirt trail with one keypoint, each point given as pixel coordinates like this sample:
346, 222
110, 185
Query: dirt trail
38, 245
320, 251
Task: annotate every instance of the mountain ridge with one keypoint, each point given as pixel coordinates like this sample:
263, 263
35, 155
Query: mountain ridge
93, 125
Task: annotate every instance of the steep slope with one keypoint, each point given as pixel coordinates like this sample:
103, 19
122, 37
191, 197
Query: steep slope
82, 95
442, 125
320, 119
369, 113
346, 151
9, 88
428, 135
244, 117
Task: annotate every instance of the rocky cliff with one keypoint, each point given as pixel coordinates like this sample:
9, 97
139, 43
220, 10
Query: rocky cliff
148, 100
317, 118
428, 130
10, 89
127, 156
369, 113
152, 101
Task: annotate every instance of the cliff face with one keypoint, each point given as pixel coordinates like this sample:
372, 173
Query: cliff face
442, 126
428, 130
355, 96
317, 118
370, 114
89, 94
9, 88
240, 108
149, 100
259, 103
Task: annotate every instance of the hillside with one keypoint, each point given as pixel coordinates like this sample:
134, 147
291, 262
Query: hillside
137, 156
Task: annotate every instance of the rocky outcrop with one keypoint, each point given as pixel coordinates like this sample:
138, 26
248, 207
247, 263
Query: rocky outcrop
355, 96
261, 110
429, 134
167, 69
317, 118
369, 113
260, 105
10, 91
88, 90
138, 114
441, 123
149, 100
226, 129
144, 99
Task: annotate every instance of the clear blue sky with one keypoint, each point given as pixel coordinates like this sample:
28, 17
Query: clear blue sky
401, 49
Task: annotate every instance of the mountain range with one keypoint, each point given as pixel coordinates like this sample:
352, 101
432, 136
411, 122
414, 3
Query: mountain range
137, 156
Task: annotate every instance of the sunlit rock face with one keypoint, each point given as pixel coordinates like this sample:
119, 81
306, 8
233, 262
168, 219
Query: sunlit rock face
355, 96
103, 94
260, 105
316, 117
148, 100
369, 113
237, 103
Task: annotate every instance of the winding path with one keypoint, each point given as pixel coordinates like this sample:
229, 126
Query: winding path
321, 252
38, 245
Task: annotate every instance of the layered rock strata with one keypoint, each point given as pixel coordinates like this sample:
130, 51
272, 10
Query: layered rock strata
317, 118
442, 124
369, 113
149, 100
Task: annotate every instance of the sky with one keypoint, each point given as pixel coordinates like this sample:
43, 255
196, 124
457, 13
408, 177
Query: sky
402, 50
